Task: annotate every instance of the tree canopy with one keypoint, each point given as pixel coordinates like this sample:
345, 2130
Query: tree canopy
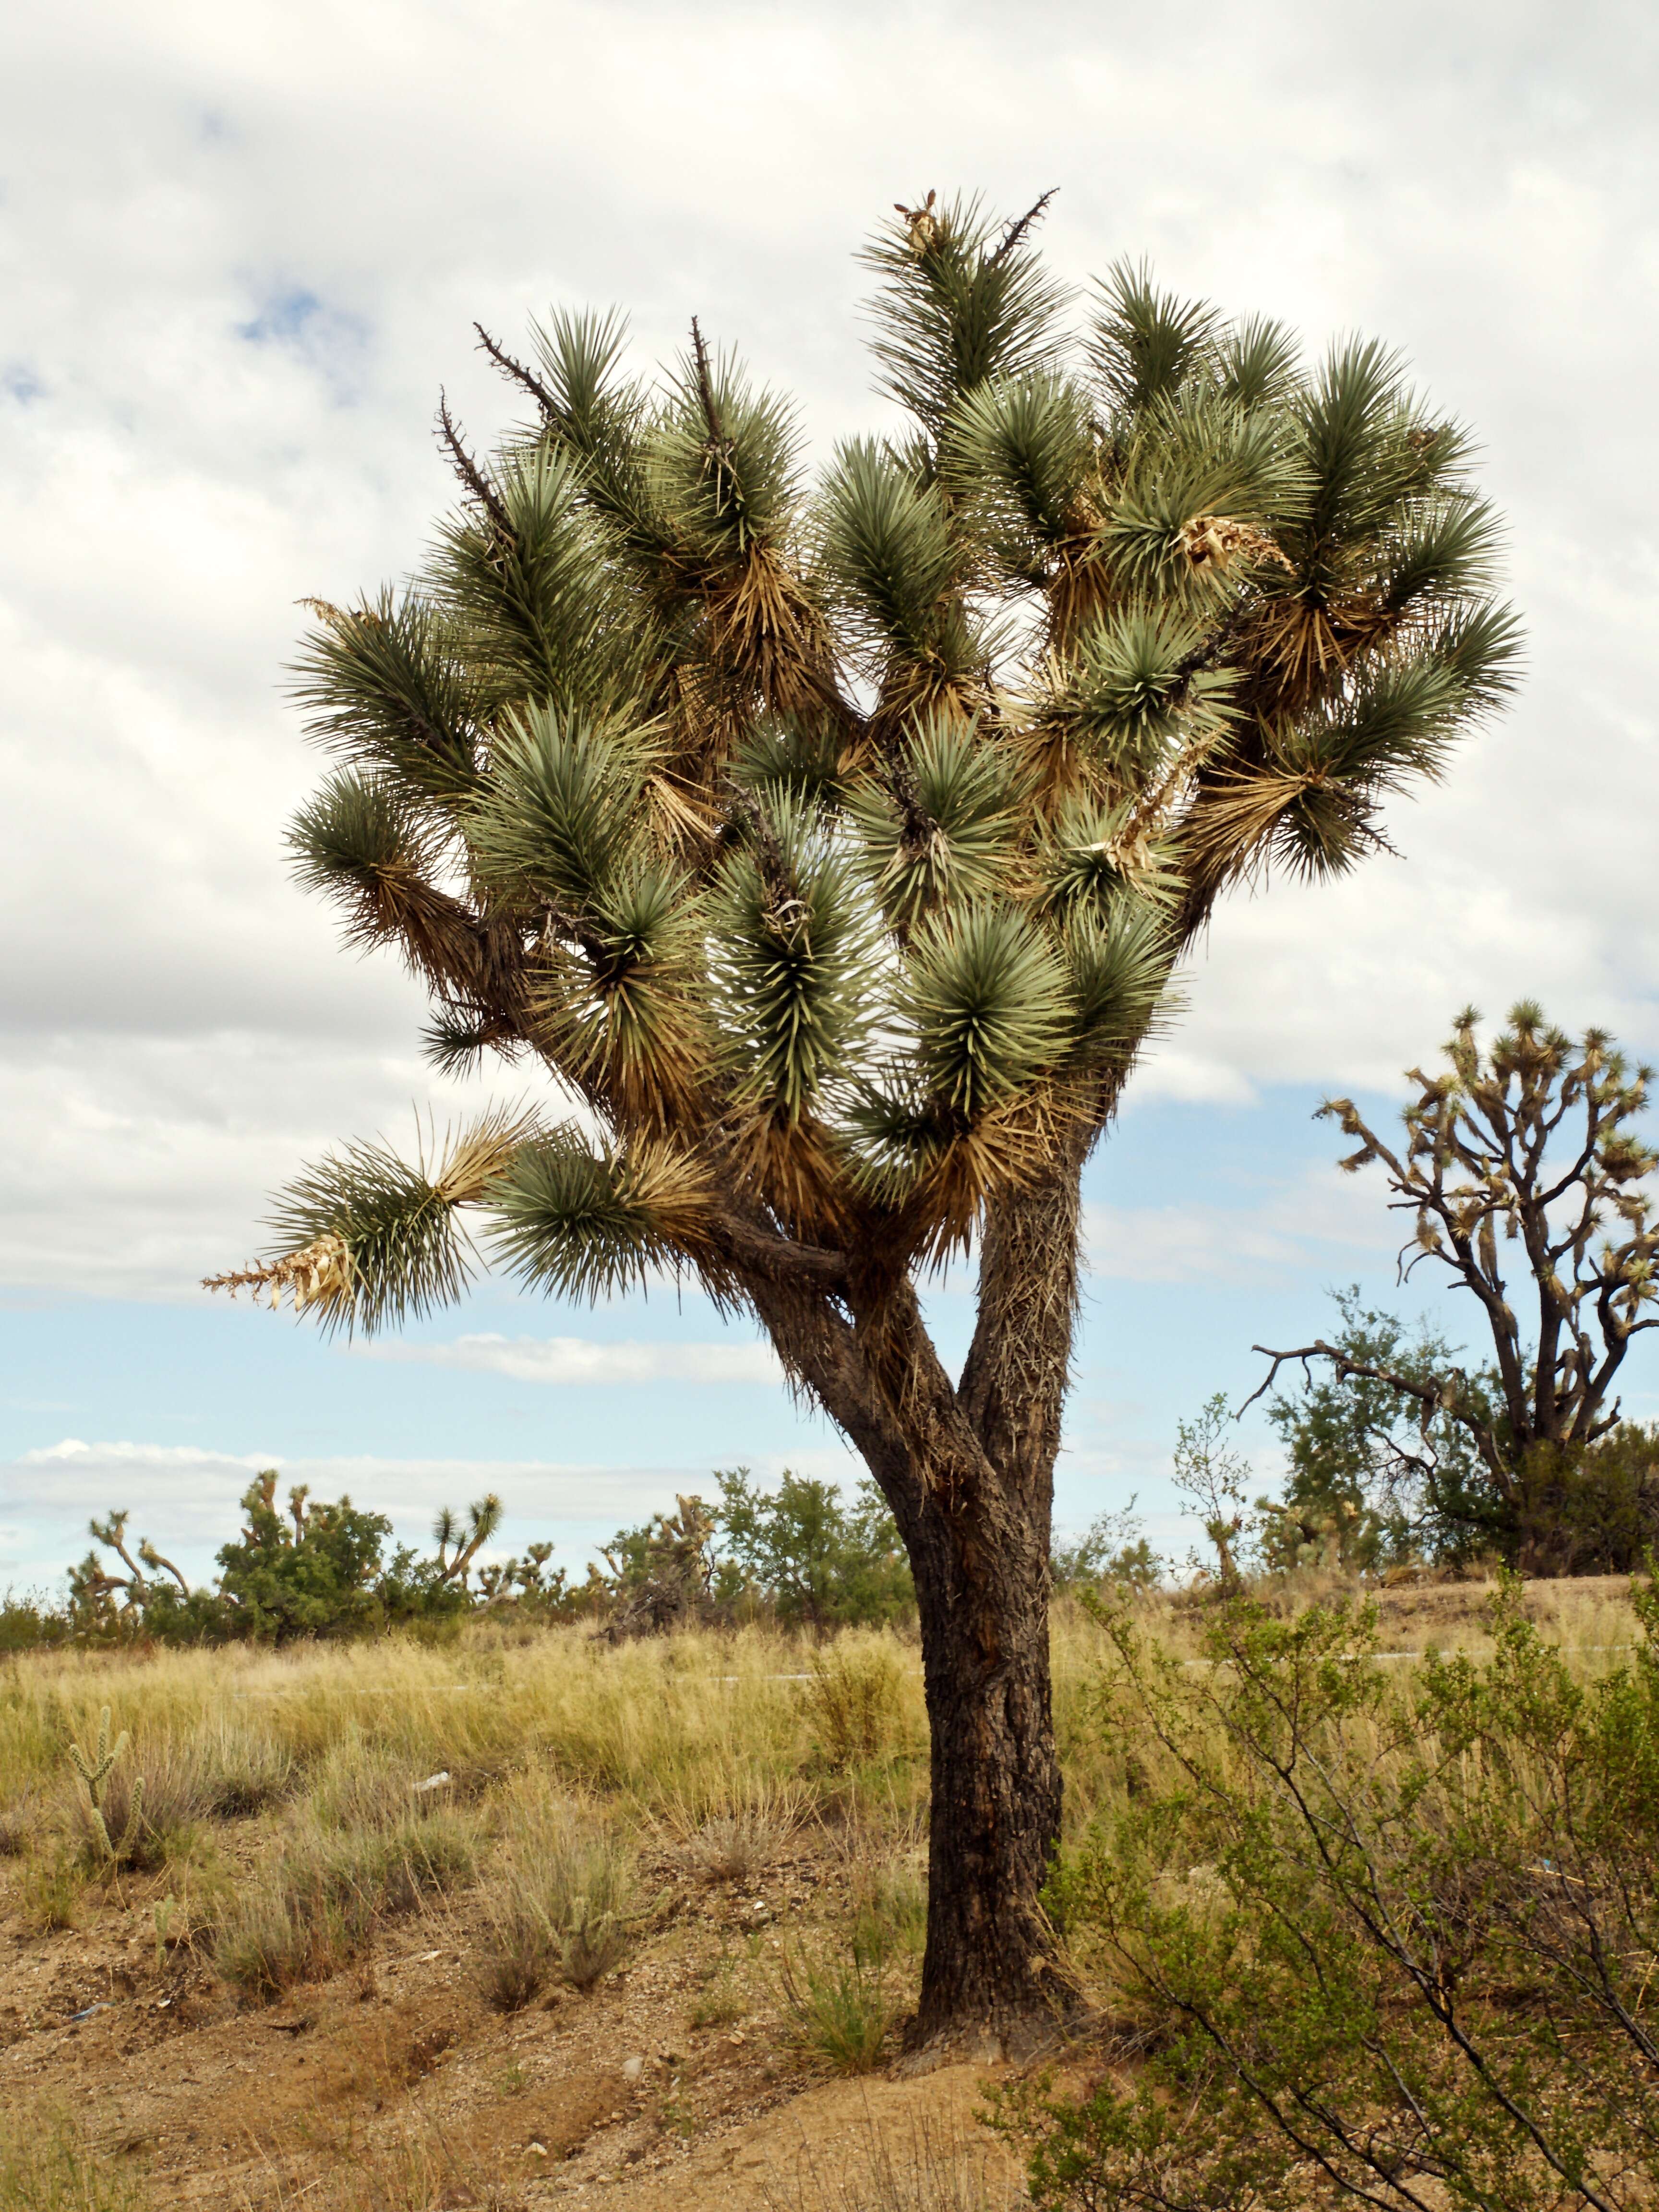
831, 839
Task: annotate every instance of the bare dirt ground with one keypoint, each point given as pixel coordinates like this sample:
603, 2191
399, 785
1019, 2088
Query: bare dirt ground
395, 2086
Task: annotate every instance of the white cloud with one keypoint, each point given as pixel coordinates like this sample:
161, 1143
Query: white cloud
1323, 1219
234, 285
571, 1360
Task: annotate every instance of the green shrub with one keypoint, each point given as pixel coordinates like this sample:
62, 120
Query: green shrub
1364, 1934
802, 1550
28, 1623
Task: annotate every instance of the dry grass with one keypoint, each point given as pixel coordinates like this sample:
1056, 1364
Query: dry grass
934, 2167
684, 1720
48, 2167
564, 1901
296, 1797
728, 1740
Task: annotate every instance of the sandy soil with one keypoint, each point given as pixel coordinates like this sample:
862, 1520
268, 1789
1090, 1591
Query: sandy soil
394, 2085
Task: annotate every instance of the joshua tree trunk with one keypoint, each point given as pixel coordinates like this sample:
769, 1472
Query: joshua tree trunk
967, 1469
996, 1788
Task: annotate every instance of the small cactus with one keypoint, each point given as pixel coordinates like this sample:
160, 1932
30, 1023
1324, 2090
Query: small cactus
94, 1773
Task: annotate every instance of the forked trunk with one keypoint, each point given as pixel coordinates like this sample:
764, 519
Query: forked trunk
967, 1469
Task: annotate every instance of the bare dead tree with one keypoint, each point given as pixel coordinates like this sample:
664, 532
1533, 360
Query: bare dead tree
1528, 1188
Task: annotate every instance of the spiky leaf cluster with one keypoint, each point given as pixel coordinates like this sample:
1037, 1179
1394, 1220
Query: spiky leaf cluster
831, 842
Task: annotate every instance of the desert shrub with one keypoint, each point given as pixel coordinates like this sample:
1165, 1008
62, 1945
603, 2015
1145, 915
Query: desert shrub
853, 1697
27, 1623
309, 1573
315, 1904
563, 1905
1111, 1550
1366, 1934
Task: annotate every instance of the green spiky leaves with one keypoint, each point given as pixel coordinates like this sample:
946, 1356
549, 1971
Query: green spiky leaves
560, 820
1133, 689
593, 1221
791, 956
895, 569
941, 826
962, 302
390, 684
986, 998
367, 1238
830, 845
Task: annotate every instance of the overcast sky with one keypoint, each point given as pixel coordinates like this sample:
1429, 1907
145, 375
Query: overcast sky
243, 247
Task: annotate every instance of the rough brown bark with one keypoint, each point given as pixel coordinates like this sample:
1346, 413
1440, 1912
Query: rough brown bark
968, 1472
995, 1783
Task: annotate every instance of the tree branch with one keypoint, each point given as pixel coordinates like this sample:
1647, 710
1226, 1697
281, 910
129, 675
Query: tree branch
526, 378
470, 473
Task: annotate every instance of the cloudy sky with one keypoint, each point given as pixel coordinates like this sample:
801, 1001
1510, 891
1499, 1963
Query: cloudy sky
241, 249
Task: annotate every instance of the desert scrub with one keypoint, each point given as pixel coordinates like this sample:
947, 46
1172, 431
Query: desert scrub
317, 1900
1363, 1925
563, 1903
854, 1700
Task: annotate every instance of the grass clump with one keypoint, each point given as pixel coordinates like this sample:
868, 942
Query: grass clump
318, 1901
46, 2166
839, 2004
842, 1997
732, 1840
51, 1890
563, 1905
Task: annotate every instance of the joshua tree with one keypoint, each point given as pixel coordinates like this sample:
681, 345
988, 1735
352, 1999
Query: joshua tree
459, 1541
1531, 1142
829, 844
